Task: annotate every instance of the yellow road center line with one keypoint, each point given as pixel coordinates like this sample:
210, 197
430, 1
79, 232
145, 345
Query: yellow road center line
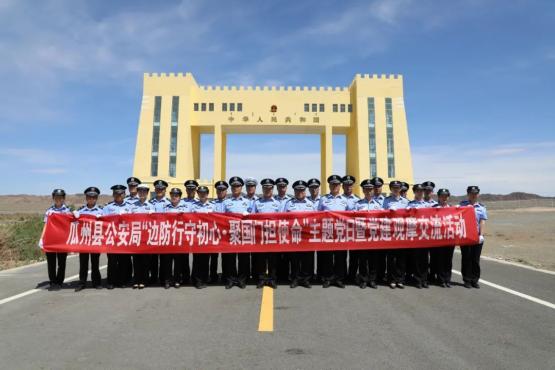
266, 322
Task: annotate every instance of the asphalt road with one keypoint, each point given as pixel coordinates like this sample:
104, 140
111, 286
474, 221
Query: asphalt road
318, 328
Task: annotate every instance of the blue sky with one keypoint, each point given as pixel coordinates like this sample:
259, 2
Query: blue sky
478, 75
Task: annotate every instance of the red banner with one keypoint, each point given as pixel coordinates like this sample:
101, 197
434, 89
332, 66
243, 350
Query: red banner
263, 232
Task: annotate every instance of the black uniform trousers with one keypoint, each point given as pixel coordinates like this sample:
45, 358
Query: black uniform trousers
172, 267
185, 269
264, 266
230, 272
354, 258
153, 268
201, 268
56, 276
115, 269
418, 258
284, 266
302, 266
470, 262
434, 268
368, 265
140, 268
126, 268
444, 263
213, 267
333, 265
381, 261
84, 268
397, 265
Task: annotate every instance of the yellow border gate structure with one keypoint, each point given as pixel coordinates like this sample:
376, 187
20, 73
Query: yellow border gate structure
175, 111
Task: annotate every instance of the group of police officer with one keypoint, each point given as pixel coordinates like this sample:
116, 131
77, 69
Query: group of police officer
365, 268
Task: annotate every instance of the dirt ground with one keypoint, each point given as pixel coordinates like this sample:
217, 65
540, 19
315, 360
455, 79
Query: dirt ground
525, 235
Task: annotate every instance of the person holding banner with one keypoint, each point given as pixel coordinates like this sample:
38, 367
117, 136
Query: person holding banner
418, 257
302, 263
175, 260
56, 277
348, 182
444, 255
232, 274
191, 187
432, 252
368, 259
396, 258
470, 262
141, 261
314, 197
221, 195
264, 264
284, 260
380, 254
404, 189
201, 261
118, 264
333, 263
158, 202
90, 208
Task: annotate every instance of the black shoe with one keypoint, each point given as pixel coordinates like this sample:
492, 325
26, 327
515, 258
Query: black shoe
363, 285
326, 284
373, 285
448, 285
467, 285
272, 284
392, 285
294, 284
109, 286
242, 285
476, 285
200, 285
97, 286
135, 286
305, 284
176, 285
229, 285
400, 286
418, 286
260, 284
340, 284
166, 285
425, 285
80, 287
443, 285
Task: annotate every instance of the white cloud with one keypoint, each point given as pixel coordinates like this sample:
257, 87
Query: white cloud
528, 167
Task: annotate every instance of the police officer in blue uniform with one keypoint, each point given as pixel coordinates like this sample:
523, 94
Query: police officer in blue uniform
348, 182
264, 264
314, 197
428, 187
141, 261
381, 254
302, 263
404, 189
232, 274
250, 189
201, 261
284, 263
175, 260
221, 195
159, 202
418, 257
90, 208
333, 264
444, 255
56, 277
132, 183
396, 258
470, 262
191, 187
432, 252
118, 264
368, 259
